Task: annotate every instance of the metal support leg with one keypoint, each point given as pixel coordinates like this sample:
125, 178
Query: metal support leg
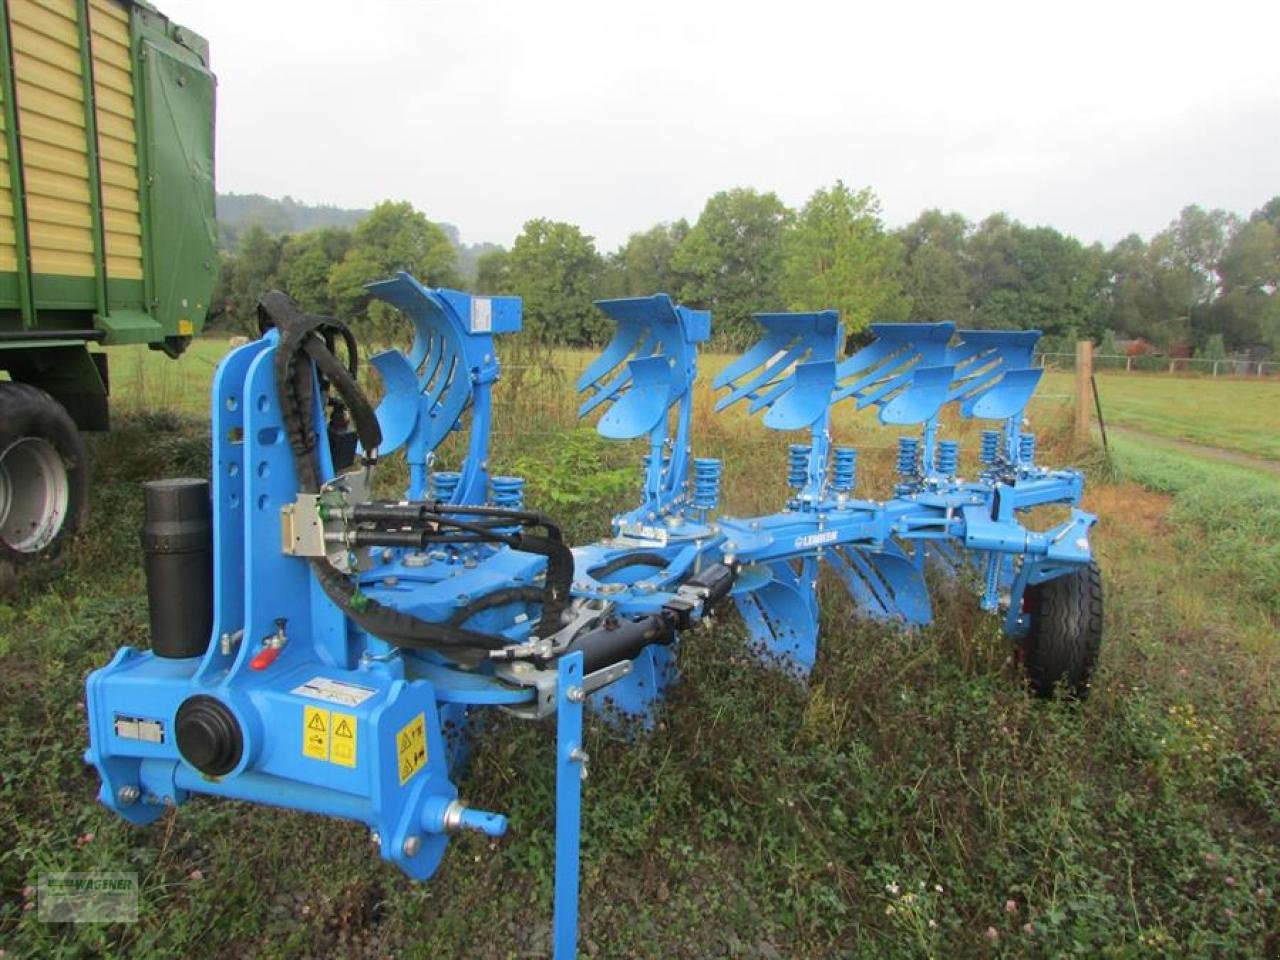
570, 772
991, 581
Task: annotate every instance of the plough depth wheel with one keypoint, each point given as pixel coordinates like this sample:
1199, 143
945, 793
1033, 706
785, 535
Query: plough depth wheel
1066, 632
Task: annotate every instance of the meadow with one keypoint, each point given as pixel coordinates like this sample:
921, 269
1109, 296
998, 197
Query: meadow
911, 801
1233, 413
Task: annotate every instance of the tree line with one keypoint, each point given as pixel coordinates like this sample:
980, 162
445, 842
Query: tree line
1208, 281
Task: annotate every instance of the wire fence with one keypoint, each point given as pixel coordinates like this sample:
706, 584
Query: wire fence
1178, 366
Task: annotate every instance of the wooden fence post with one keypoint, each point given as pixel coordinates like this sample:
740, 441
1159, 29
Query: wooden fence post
1084, 389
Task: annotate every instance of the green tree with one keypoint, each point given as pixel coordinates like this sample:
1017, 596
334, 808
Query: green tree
1249, 270
731, 260
934, 280
837, 255
393, 237
306, 261
1200, 238
643, 265
1036, 278
493, 272
1214, 348
252, 271
554, 267
1134, 306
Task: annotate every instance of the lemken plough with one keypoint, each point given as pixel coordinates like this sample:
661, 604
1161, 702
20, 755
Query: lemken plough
317, 648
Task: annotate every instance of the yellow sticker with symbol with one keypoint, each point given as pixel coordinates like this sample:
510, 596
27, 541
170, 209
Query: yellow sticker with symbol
315, 733
411, 748
342, 747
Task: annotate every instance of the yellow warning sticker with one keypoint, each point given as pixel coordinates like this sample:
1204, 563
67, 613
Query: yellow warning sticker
411, 748
315, 733
342, 746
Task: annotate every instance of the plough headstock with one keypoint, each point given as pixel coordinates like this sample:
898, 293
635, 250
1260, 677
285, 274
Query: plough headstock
449, 367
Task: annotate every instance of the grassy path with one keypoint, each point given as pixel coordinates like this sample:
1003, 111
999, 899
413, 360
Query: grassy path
1197, 449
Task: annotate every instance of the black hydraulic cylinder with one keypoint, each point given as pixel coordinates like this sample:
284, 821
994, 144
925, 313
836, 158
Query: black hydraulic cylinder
177, 545
622, 639
619, 640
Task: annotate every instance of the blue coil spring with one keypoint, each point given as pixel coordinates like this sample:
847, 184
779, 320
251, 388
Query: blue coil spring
507, 492
798, 465
706, 483
443, 483
908, 456
947, 459
990, 446
845, 474
1026, 448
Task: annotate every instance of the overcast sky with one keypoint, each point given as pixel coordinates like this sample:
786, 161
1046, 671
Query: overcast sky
1097, 118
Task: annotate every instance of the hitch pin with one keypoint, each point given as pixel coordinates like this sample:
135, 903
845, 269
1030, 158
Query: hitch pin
272, 644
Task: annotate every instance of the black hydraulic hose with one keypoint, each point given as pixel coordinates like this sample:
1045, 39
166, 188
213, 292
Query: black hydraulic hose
362, 413
438, 511
294, 384
523, 517
559, 577
628, 560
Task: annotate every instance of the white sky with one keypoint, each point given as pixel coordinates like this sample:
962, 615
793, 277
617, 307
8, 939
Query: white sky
1097, 118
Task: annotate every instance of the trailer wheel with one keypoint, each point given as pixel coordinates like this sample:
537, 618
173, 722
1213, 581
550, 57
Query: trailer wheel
1066, 633
44, 480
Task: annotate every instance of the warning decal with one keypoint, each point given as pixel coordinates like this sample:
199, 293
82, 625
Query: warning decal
315, 733
342, 740
411, 748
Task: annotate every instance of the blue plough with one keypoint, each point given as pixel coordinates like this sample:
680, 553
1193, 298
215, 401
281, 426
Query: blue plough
350, 639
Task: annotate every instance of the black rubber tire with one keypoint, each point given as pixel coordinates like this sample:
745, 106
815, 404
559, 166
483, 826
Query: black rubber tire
29, 412
1062, 645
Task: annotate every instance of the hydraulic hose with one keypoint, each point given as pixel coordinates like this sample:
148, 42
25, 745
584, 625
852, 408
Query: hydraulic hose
302, 335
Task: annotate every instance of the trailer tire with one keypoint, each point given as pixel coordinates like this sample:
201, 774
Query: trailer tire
44, 483
1062, 644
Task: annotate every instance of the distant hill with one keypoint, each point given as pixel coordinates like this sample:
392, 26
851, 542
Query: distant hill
237, 212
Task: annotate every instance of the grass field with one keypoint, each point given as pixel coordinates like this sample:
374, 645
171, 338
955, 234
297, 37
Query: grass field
1234, 413
912, 801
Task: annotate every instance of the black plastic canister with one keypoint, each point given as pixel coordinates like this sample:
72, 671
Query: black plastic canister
177, 543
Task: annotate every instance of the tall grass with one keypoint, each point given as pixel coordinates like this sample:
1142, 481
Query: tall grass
1228, 516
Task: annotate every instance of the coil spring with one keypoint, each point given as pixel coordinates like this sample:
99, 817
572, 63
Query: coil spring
798, 465
507, 492
1026, 448
990, 446
845, 473
444, 483
908, 456
706, 483
947, 459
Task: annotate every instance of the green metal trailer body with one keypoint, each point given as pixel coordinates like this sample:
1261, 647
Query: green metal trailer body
107, 229
107, 233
